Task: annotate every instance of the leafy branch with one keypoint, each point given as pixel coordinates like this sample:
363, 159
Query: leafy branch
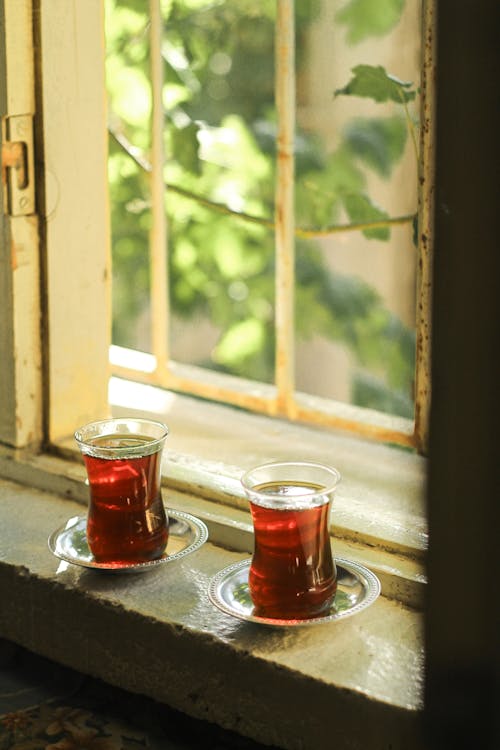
218, 81
373, 82
301, 232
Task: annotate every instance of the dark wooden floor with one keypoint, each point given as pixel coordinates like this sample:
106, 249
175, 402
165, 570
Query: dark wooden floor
44, 706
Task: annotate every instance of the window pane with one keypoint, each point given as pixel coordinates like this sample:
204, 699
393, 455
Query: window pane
356, 82
129, 116
220, 125
355, 162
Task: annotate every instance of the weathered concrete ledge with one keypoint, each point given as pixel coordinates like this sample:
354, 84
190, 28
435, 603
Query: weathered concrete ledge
351, 684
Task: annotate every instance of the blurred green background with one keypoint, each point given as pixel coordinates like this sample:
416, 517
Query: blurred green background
220, 144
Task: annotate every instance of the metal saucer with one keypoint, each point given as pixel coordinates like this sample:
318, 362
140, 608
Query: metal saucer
186, 534
357, 588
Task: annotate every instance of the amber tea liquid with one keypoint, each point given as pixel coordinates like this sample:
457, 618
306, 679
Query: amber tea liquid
293, 574
126, 522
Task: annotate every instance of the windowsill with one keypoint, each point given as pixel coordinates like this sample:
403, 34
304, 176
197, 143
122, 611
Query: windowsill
378, 514
158, 634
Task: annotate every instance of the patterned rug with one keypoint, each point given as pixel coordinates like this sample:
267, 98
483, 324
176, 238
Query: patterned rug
44, 706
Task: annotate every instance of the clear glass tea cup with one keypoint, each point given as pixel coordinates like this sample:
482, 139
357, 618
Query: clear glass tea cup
126, 522
293, 573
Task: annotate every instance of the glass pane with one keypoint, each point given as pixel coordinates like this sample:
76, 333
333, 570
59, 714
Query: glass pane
219, 105
129, 114
356, 161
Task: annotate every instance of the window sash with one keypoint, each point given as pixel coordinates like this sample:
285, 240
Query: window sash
20, 347
281, 399
71, 334
67, 339
72, 204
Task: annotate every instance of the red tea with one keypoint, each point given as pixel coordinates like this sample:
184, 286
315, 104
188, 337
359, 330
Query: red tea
126, 522
293, 574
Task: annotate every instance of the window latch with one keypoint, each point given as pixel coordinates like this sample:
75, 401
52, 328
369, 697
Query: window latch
18, 170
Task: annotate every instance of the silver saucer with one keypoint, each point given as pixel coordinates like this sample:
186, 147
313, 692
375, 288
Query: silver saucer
186, 534
357, 588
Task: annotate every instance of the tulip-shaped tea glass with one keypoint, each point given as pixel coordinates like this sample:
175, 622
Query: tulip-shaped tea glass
126, 521
292, 574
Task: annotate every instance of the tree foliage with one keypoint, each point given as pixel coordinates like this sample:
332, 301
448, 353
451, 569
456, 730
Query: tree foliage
220, 142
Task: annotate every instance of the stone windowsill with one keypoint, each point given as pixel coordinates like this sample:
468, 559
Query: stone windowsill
355, 683
351, 684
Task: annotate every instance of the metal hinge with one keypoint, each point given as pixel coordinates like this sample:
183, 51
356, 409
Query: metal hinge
18, 166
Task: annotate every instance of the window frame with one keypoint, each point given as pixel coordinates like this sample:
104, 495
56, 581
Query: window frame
72, 334
54, 352
460, 640
281, 399
20, 350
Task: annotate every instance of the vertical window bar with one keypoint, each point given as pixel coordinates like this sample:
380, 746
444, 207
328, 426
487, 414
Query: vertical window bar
425, 232
284, 214
158, 240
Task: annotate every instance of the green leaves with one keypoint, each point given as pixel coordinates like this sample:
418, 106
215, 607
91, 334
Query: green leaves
365, 18
378, 142
220, 142
360, 209
375, 83
241, 340
185, 146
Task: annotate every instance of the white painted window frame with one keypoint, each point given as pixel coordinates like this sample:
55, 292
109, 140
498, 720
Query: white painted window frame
73, 208
54, 364
281, 398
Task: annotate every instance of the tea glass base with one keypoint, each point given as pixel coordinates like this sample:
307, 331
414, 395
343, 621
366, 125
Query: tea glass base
357, 588
69, 543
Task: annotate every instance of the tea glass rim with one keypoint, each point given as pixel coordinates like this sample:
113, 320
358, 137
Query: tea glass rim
326, 489
96, 428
